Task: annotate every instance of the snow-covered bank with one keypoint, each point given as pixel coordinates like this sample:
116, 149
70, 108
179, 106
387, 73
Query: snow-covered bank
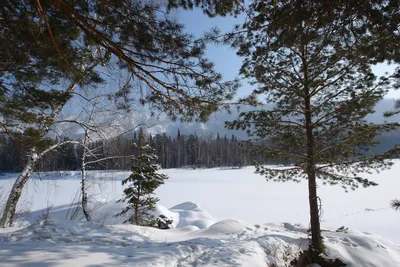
234, 194
222, 244
208, 234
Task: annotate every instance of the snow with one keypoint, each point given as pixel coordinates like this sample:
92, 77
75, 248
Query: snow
221, 221
189, 213
225, 243
368, 249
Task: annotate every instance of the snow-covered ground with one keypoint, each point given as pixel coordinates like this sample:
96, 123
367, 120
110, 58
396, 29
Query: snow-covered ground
239, 219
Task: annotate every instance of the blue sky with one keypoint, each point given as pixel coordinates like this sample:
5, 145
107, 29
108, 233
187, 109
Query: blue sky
225, 58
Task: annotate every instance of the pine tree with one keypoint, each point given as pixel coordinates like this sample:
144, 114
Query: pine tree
45, 45
396, 108
142, 183
313, 61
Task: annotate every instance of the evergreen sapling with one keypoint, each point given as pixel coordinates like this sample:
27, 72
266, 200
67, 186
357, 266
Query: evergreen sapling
142, 183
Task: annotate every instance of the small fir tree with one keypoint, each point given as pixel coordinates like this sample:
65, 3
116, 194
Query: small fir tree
163, 222
143, 181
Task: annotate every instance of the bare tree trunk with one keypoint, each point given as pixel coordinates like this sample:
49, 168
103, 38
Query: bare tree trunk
85, 208
84, 201
8, 217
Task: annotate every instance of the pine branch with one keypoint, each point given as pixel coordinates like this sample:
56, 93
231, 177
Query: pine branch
395, 204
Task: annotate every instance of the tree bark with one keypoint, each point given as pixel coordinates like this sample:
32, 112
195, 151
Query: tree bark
84, 201
312, 183
8, 217
85, 208
316, 240
314, 213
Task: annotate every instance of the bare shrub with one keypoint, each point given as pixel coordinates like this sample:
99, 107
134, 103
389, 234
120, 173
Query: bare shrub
45, 214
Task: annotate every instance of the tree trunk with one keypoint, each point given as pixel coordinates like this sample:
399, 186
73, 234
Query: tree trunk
312, 183
314, 213
178, 159
8, 217
85, 208
137, 203
316, 240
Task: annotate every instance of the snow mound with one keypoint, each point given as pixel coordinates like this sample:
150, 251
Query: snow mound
223, 244
161, 210
190, 214
185, 215
228, 227
361, 249
186, 206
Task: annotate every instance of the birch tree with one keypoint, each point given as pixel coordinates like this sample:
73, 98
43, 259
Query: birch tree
33, 139
94, 130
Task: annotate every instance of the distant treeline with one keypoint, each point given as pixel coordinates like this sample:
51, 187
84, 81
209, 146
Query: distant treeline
179, 151
188, 151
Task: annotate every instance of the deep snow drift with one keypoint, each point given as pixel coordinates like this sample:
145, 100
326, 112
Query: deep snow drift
208, 234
